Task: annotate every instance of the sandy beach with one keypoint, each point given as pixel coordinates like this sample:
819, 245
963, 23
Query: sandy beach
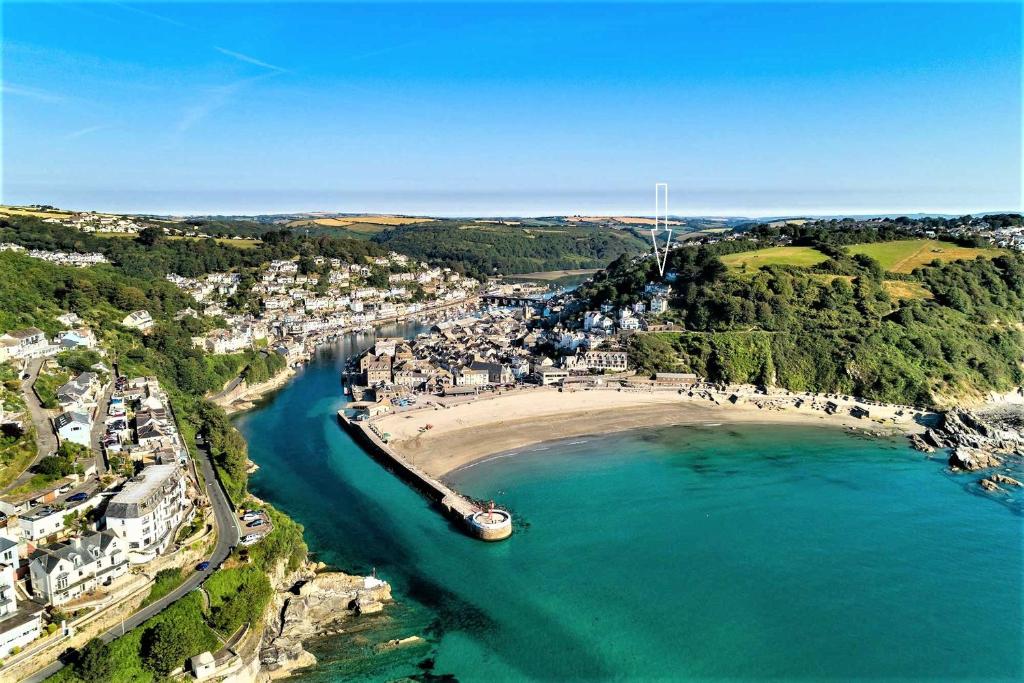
466, 432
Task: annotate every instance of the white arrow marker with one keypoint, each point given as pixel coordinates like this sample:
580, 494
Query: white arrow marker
661, 219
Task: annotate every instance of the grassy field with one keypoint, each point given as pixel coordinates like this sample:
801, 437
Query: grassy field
16, 454
897, 289
901, 289
230, 241
38, 213
774, 256
904, 256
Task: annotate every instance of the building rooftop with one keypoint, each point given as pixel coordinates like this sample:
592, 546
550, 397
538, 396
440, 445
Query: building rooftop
141, 493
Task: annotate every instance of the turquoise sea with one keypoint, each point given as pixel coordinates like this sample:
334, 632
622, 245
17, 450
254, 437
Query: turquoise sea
685, 553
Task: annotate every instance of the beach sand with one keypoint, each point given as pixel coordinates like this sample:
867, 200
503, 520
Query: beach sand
469, 431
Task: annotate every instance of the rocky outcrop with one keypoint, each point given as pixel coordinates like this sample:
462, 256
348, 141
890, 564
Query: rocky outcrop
1003, 479
976, 442
317, 603
971, 459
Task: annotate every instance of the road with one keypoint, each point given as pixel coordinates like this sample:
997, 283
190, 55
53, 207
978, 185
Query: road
99, 428
46, 440
227, 537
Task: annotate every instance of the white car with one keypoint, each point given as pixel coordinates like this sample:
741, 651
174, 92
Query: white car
250, 539
250, 516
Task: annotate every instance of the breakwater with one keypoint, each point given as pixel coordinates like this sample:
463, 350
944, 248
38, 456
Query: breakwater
486, 524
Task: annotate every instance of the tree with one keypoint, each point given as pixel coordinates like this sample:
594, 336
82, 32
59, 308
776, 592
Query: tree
93, 663
165, 647
150, 236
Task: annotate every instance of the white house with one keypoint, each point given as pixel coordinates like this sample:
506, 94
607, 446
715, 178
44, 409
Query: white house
148, 510
79, 395
47, 520
64, 571
23, 344
469, 377
628, 321
139, 320
74, 427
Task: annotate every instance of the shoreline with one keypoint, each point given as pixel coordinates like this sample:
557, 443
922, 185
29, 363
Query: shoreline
251, 395
465, 434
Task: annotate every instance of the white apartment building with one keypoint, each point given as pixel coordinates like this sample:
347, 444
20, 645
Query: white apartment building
65, 571
18, 628
148, 510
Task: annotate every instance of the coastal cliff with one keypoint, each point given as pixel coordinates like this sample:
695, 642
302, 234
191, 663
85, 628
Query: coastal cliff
315, 602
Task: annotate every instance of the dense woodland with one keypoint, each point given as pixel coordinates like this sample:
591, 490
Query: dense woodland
833, 327
481, 250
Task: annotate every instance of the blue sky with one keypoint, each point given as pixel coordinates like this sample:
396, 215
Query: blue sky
514, 109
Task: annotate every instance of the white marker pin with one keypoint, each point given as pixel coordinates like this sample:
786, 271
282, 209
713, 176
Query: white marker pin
661, 222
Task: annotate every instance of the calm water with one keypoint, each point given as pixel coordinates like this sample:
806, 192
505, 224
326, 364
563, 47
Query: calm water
687, 553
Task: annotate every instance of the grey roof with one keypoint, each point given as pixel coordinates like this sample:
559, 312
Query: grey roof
51, 555
144, 492
64, 419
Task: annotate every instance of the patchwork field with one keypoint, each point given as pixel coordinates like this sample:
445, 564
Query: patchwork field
370, 224
774, 256
904, 256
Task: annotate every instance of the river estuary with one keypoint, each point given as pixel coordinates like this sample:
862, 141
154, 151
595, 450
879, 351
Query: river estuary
685, 553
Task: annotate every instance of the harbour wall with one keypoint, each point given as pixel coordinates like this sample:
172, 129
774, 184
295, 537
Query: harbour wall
470, 517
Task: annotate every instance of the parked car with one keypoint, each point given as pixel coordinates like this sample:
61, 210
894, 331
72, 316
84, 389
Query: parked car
250, 516
202, 566
78, 497
254, 523
250, 539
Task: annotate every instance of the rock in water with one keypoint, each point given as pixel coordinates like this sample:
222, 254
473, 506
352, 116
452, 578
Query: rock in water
971, 459
918, 443
1003, 479
989, 485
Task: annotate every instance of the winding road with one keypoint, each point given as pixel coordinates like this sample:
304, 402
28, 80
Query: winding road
46, 440
227, 538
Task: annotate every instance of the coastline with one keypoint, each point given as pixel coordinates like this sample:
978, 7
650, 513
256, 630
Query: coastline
469, 432
247, 397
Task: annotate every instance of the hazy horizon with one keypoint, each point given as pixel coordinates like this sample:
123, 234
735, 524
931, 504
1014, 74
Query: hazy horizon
524, 204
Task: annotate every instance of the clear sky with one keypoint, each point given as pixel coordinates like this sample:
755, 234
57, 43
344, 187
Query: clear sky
512, 109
